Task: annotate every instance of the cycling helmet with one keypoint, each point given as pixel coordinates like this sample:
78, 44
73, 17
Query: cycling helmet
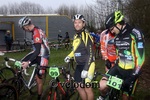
24, 21
113, 19
78, 16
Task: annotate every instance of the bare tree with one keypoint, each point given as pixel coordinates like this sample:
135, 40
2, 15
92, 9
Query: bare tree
63, 10
4, 9
138, 12
23, 8
73, 10
49, 10
30, 8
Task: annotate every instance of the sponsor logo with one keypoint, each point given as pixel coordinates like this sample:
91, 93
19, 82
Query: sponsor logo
123, 44
77, 54
126, 38
140, 44
37, 39
117, 38
128, 57
137, 33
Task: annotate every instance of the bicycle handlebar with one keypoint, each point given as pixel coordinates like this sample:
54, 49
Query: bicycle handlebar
14, 60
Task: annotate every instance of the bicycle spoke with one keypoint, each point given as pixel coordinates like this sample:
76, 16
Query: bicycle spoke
8, 92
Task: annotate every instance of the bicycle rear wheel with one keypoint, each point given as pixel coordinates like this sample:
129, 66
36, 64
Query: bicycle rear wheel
8, 92
6, 73
28, 45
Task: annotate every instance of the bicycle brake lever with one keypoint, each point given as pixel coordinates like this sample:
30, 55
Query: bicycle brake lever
25, 72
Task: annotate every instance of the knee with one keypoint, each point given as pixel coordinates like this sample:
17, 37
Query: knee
88, 90
79, 88
103, 85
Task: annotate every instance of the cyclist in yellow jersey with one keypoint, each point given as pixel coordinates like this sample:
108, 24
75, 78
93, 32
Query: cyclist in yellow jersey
129, 44
83, 55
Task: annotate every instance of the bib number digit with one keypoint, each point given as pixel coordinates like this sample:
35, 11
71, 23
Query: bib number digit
54, 72
115, 82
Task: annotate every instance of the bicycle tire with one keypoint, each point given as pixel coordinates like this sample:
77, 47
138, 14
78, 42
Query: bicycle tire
17, 83
8, 92
51, 93
27, 45
6, 73
114, 94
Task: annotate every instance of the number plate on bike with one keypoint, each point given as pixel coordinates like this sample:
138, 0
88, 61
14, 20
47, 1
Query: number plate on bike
115, 82
54, 72
18, 64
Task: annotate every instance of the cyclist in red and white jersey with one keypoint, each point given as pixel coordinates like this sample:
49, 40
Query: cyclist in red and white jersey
40, 53
108, 49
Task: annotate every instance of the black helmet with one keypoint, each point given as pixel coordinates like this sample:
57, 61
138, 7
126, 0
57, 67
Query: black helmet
113, 19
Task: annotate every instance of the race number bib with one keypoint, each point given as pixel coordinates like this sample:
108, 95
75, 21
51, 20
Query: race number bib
54, 72
115, 82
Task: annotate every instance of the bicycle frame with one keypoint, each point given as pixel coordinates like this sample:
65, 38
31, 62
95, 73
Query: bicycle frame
56, 88
28, 84
19, 75
59, 86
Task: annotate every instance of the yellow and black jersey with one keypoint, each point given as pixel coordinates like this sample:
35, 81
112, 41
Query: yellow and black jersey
82, 49
130, 48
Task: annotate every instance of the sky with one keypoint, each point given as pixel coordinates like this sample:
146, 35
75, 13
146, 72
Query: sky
54, 4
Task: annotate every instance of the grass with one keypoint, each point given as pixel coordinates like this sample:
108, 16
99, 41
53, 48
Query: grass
57, 58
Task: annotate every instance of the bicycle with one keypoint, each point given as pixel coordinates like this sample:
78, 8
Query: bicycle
27, 44
6, 73
8, 92
58, 90
21, 81
16, 45
115, 85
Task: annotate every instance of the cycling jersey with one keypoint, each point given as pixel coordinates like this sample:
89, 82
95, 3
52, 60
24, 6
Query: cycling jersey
40, 47
82, 49
83, 55
96, 37
130, 48
108, 49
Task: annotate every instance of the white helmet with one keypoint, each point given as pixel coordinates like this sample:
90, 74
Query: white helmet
24, 21
78, 16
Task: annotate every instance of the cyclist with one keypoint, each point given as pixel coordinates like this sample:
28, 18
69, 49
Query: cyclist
40, 53
129, 44
96, 46
83, 54
108, 49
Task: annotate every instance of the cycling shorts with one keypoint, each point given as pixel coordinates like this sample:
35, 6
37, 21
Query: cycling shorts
78, 70
123, 74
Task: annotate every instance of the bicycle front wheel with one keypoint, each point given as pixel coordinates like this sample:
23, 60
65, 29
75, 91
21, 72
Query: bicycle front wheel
114, 94
8, 92
52, 93
6, 73
17, 83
